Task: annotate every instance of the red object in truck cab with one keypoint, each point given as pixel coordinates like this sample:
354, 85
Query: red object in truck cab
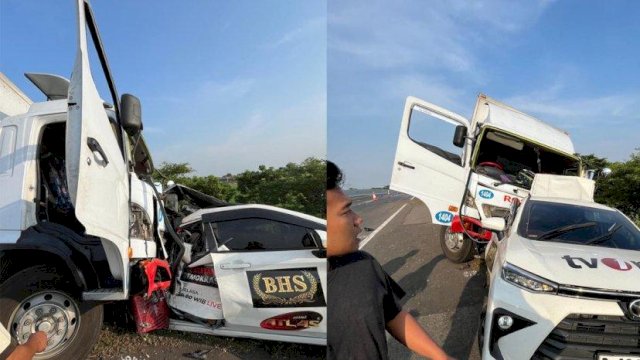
473, 227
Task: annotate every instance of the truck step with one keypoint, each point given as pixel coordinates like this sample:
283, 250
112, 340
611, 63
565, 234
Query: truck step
104, 295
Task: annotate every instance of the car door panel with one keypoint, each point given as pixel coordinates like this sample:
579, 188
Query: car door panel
260, 285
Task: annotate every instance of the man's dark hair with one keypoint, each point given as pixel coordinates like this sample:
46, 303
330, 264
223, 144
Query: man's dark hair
334, 176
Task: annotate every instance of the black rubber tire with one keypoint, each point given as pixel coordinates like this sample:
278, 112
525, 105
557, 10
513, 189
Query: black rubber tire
42, 277
463, 254
483, 315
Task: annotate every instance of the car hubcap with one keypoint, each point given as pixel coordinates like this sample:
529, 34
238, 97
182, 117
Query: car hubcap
453, 241
52, 312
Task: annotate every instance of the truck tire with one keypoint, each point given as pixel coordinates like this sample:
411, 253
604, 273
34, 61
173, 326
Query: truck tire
456, 247
40, 298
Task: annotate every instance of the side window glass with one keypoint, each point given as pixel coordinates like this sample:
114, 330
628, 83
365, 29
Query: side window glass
435, 133
8, 136
262, 234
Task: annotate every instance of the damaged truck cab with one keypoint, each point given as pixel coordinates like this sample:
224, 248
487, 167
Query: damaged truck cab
82, 224
489, 164
77, 207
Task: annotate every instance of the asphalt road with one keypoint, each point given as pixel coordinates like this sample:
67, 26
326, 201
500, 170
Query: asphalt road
446, 298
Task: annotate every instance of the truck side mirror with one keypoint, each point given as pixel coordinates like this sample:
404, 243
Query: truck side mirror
460, 135
131, 114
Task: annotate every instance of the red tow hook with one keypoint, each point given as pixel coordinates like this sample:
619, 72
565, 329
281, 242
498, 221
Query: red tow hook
473, 227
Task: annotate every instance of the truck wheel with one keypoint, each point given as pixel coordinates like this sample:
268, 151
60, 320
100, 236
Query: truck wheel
39, 298
455, 246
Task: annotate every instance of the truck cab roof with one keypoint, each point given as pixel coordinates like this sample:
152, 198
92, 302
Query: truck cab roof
490, 112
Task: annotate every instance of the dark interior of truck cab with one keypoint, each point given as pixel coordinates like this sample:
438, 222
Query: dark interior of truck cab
54, 201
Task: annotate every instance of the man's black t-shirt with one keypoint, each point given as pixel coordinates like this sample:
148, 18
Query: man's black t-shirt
362, 299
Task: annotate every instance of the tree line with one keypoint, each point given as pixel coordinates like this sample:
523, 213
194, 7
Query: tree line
621, 189
299, 187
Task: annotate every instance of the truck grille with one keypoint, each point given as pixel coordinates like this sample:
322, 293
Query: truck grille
581, 336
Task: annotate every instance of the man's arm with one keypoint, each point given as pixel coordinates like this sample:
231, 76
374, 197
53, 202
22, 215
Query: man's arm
407, 331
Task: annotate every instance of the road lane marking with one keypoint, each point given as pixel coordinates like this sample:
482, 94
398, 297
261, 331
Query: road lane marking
368, 238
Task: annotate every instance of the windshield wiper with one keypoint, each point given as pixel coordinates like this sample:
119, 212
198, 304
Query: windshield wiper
604, 237
565, 229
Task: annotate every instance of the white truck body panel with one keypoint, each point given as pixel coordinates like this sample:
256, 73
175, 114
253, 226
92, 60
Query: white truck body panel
500, 116
12, 100
563, 187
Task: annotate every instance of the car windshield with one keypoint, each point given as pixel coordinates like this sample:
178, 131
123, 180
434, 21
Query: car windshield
512, 160
550, 221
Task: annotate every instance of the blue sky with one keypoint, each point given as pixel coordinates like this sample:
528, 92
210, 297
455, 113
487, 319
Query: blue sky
224, 85
572, 63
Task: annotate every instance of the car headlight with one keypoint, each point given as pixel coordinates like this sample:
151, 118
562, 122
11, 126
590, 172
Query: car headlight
527, 280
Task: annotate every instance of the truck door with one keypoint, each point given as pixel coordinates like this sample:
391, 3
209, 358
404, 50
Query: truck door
271, 275
96, 170
427, 165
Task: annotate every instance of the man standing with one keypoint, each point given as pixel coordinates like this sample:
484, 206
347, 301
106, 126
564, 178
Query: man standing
363, 300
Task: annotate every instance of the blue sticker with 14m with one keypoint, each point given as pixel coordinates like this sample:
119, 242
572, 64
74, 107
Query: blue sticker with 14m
486, 194
444, 216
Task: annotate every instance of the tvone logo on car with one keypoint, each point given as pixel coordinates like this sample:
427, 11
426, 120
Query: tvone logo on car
592, 263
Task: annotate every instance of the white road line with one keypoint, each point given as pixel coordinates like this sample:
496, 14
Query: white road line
368, 238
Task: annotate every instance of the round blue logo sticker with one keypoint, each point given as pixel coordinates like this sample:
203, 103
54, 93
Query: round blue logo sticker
486, 194
444, 216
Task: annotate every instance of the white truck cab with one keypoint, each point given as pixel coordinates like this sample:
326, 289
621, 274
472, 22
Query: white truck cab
487, 163
77, 207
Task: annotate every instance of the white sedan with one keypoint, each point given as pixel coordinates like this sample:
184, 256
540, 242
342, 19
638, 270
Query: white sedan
252, 271
563, 278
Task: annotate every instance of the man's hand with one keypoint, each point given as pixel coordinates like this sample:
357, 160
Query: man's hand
36, 343
407, 330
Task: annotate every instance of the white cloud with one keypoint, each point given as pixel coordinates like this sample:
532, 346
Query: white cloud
298, 33
436, 34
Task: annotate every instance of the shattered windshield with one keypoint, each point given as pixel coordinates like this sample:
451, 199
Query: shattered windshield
582, 225
512, 160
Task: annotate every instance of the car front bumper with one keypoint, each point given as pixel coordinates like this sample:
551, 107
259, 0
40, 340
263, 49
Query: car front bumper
555, 326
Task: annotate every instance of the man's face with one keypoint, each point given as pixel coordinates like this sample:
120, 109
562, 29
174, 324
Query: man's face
343, 224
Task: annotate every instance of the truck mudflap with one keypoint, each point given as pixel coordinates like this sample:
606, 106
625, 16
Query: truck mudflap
472, 226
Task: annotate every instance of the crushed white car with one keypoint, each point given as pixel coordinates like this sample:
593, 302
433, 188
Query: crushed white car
254, 271
563, 277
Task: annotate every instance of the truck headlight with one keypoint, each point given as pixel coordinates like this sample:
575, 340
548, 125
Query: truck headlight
494, 211
527, 280
470, 201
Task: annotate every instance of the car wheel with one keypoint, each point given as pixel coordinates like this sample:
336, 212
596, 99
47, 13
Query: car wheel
40, 299
455, 246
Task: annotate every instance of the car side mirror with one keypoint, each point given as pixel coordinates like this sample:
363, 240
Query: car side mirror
131, 114
494, 223
459, 136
